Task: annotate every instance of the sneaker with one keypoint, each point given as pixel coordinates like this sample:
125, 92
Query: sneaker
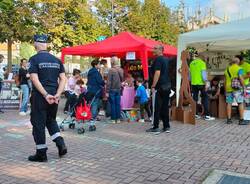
22, 113
229, 121
153, 130
197, 116
118, 121
113, 121
167, 130
28, 112
209, 118
92, 128
141, 121
243, 122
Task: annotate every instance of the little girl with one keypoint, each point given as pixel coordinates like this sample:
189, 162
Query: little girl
80, 88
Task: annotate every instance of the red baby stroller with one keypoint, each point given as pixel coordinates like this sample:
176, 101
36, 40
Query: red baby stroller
79, 114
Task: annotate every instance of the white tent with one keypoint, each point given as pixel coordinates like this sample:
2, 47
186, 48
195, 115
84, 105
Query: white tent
232, 36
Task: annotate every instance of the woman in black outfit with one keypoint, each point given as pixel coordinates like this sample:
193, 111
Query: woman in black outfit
23, 77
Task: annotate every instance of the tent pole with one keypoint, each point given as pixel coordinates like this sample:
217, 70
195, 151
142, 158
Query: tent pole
144, 62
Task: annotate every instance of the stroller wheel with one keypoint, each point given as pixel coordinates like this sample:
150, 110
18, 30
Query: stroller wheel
81, 131
72, 125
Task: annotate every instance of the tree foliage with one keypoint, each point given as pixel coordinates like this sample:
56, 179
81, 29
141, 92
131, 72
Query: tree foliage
26, 50
74, 22
15, 24
68, 22
149, 18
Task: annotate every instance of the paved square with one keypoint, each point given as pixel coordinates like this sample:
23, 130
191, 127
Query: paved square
124, 153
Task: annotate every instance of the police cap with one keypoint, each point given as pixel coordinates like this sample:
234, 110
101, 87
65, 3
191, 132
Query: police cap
42, 38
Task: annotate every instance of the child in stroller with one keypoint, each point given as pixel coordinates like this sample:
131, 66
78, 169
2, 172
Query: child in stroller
80, 113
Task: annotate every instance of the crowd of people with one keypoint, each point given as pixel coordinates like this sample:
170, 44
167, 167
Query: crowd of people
234, 86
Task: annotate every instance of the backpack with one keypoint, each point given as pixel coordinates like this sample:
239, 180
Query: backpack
83, 111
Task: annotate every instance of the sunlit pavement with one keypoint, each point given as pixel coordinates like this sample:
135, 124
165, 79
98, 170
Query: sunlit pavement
125, 153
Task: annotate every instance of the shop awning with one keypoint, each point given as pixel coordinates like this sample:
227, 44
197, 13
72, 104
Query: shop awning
119, 45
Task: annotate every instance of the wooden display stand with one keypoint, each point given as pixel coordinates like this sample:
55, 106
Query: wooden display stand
222, 107
185, 112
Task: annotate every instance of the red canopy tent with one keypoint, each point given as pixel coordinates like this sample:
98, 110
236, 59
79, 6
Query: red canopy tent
119, 45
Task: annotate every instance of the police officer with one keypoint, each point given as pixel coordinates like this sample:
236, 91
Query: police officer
48, 77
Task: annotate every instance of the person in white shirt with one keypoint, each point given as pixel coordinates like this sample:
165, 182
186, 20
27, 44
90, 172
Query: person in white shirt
70, 90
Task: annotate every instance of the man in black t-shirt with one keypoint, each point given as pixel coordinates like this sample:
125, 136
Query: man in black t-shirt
161, 87
48, 77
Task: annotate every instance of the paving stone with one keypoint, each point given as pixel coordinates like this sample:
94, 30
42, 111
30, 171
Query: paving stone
124, 153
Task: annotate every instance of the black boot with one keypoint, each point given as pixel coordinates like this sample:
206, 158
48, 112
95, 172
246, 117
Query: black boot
40, 156
62, 149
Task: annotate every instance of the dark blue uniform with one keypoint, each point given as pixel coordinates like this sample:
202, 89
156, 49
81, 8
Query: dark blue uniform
43, 114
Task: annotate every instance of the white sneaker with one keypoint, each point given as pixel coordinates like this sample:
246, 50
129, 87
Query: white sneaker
22, 113
197, 116
28, 112
209, 118
118, 121
113, 121
141, 121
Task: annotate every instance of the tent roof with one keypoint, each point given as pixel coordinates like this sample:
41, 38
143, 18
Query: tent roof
223, 37
118, 45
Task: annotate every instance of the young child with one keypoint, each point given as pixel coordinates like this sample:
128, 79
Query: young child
142, 96
79, 88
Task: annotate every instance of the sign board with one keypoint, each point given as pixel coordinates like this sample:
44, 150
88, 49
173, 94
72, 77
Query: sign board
10, 95
101, 38
130, 56
134, 67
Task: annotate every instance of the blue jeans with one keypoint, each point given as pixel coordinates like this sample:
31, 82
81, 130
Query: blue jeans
94, 109
115, 102
25, 99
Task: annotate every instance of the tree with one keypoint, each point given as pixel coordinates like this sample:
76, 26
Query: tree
122, 12
26, 50
68, 22
150, 19
157, 22
15, 24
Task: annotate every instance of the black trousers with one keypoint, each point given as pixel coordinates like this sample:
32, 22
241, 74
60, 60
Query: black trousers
43, 115
204, 97
143, 107
161, 108
70, 102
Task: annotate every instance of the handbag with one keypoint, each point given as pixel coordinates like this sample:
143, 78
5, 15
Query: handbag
235, 82
83, 111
